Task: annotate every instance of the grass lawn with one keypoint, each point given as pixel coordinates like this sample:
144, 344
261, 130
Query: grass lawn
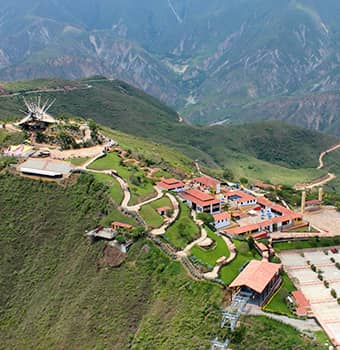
150, 214
229, 272
184, 230
209, 256
139, 192
311, 243
116, 215
276, 304
112, 183
79, 161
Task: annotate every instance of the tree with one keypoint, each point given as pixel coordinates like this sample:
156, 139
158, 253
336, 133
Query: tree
251, 243
284, 293
244, 248
244, 181
206, 218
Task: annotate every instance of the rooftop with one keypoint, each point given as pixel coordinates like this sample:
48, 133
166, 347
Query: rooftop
170, 184
45, 167
242, 196
256, 275
206, 181
198, 197
222, 216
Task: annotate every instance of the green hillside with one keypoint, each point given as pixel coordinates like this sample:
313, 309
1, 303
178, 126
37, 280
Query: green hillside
53, 296
124, 108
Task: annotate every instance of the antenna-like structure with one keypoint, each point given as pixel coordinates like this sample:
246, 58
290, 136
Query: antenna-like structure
36, 111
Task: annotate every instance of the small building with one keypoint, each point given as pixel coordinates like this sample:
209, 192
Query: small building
303, 307
263, 186
102, 233
222, 220
45, 168
239, 198
163, 210
171, 185
261, 278
117, 225
208, 183
201, 202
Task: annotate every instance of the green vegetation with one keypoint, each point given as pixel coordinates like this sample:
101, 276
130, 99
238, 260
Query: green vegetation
8, 138
257, 151
259, 332
53, 295
79, 161
229, 272
114, 186
210, 255
278, 302
183, 230
140, 186
315, 242
150, 214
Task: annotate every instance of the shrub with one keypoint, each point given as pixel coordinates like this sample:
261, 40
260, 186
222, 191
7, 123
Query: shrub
332, 260
313, 267
326, 284
337, 265
333, 293
320, 277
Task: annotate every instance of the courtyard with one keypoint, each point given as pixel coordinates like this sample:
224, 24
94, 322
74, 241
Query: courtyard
299, 264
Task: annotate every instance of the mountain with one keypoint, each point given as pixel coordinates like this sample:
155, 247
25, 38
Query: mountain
269, 150
213, 61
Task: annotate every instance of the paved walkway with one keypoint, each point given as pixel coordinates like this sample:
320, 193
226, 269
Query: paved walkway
232, 249
302, 325
204, 235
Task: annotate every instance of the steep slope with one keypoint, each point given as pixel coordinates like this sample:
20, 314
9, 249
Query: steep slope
208, 59
53, 295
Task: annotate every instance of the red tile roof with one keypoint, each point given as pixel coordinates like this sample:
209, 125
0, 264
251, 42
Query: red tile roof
122, 225
222, 216
163, 209
206, 181
200, 198
263, 185
264, 201
244, 197
300, 299
170, 184
256, 275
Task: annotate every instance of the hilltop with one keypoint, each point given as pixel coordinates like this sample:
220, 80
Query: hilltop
269, 150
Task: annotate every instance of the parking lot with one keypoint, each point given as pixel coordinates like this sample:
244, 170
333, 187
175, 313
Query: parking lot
324, 306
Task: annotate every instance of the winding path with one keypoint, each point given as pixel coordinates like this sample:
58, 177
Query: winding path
322, 155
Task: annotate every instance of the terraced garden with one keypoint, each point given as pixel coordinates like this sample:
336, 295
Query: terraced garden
209, 256
150, 214
140, 186
184, 230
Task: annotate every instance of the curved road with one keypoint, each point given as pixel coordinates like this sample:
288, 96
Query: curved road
331, 149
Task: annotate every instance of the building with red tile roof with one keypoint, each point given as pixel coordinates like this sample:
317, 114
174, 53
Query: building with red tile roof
303, 307
222, 220
163, 210
116, 225
261, 278
201, 202
208, 183
171, 185
239, 198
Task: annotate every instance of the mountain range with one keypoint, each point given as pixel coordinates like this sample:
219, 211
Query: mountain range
216, 61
